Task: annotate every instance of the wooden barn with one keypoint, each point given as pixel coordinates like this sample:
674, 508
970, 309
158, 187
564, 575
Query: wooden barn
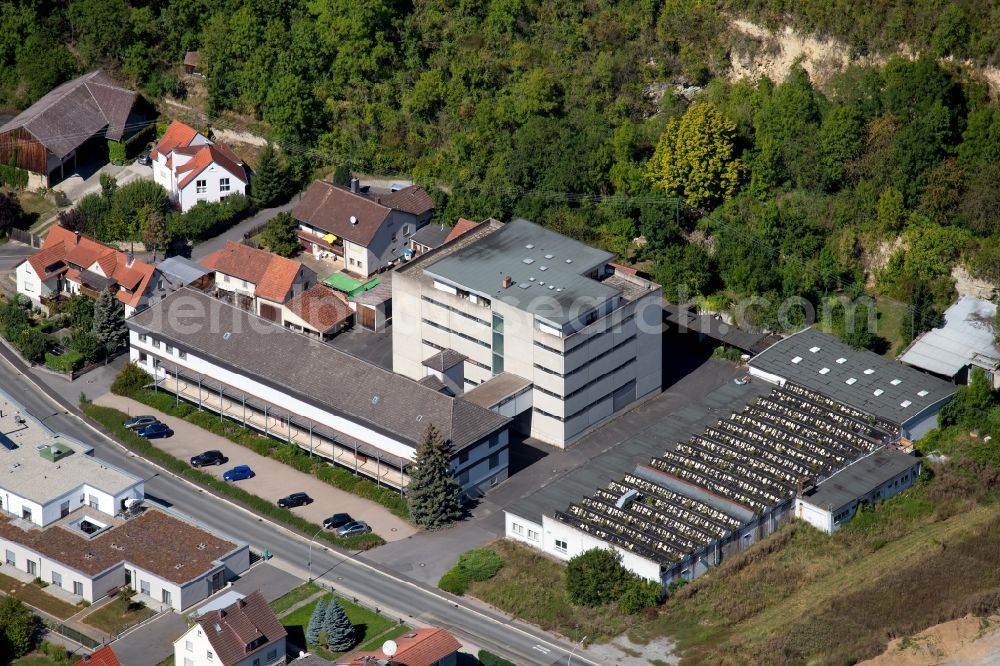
49, 137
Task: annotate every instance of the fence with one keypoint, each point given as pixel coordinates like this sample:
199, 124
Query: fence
253, 231
24, 237
72, 634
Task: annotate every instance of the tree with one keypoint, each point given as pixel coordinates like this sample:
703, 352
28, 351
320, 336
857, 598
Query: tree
434, 493
639, 593
109, 321
18, 628
840, 140
316, 621
33, 344
337, 627
73, 220
279, 236
595, 577
109, 185
154, 232
695, 158
971, 404
268, 186
921, 315
81, 312
10, 210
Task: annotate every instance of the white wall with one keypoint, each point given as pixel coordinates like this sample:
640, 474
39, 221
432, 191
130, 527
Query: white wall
252, 387
578, 541
29, 284
818, 517
213, 175
200, 647
42, 515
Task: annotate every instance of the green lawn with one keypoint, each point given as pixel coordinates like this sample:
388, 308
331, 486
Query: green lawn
369, 626
35, 596
118, 615
38, 660
376, 642
890, 315
289, 599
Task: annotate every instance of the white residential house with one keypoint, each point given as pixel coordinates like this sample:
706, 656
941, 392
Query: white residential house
192, 168
245, 633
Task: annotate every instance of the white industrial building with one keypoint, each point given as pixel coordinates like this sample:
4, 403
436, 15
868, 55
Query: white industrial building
521, 300
885, 389
79, 524
965, 341
291, 386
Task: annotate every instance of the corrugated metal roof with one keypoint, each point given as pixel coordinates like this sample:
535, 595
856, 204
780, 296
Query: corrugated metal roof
968, 332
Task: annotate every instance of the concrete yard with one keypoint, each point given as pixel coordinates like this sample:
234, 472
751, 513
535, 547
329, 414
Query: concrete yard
273, 479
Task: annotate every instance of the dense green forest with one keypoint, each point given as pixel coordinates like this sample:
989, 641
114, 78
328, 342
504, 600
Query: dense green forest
568, 113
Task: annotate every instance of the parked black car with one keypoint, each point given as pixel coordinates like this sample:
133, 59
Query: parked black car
209, 458
337, 520
295, 499
140, 422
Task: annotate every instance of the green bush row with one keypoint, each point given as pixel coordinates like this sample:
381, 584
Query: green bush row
289, 454
478, 564
112, 419
116, 151
490, 659
136, 143
68, 362
13, 177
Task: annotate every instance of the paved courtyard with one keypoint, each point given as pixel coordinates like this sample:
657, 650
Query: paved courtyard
273, 479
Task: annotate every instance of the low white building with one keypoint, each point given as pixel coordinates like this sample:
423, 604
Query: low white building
245, 633
874, 478
192, 168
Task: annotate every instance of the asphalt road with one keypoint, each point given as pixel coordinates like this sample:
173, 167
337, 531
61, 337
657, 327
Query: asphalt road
354, 576
235, 234
11, 254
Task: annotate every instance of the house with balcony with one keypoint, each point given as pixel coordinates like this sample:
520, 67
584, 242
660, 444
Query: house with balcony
369, 232
192, 168
542, 323
71, 263
257, 280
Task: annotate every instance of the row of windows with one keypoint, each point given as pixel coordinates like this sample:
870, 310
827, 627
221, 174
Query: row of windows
586, 365
494, 462
563, 419
584, 344
201, 186
461, 335
432, 301
31, 568
155, 344
518, 529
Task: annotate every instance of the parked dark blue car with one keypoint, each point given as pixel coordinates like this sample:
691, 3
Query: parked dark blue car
156, 431
238, 473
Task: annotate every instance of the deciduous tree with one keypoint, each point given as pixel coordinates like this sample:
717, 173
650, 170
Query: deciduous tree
595, 577
279, 236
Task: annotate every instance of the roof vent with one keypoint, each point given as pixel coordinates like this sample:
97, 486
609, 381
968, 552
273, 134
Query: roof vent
814, 349
420, 417
558, 288
841, 360
896, 382
552, 286
850, 381
543, 268
529, 246
797, 359
524, 285
869, 371
528, 260
905, 404
225, 336
921, 393
202, 546
625, 500
354, 220
548, 256
569, 261
877, 392
375, 399
823, 371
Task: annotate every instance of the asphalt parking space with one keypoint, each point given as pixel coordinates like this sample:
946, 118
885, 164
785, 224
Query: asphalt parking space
272, 479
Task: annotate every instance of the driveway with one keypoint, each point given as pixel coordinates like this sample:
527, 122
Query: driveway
235, 234
79, 185
152, 642
273, 479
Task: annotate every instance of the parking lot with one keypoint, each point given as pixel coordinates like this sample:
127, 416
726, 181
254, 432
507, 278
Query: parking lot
273, 479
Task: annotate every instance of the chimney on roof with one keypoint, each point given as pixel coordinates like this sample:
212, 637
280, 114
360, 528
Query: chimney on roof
76, 235
354, 220
355, 184
506, 282
131, 259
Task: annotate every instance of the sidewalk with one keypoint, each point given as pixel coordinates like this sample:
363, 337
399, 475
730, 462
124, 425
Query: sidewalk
273, 479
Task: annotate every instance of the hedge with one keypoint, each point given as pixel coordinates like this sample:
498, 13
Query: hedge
454, 581
136, 143
116, 152
13, 177
289, 454
112, 419
68, 362
490, 659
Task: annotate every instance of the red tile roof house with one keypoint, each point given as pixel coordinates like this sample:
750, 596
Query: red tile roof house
246, 633
263, 283
71, 263
103, 657
192, 168
369, 232
420, 647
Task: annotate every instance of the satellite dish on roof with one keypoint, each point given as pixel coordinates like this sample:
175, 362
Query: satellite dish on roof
389, 648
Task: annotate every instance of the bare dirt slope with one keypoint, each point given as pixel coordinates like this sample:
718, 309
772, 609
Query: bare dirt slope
969, 640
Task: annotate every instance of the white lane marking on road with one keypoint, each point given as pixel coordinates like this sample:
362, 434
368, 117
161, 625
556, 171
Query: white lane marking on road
541, 649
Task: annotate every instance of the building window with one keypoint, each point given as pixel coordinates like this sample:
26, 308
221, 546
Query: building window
273, 654
209, 655
32, 568
166, 597
57, 579
494, 440
144, 587
189, 646
225, 278
533, 535
463, 478
92, 501
223, 184
517, 528
78, 588
561, 545
497, 344
143, 358
463, 456
494, 461
142, 337
168, 349
10, 558
182, 354
200, 186
155, 344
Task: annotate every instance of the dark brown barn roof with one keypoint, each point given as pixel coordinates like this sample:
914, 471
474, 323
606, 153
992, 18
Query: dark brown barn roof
71, 113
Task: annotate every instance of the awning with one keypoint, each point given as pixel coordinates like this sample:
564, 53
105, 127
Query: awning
329, 238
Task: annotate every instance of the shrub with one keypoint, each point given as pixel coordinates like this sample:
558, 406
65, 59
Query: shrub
454, 581
638, 594
479, 564
130, 379
68, 362
490, 659
595, 577
13, 177
116, 152
207, 218
33, 344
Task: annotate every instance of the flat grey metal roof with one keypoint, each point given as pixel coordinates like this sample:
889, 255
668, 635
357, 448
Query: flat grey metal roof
859, 478
297, 365
181, 271
861, 379
493, 391
966, 338
548, 271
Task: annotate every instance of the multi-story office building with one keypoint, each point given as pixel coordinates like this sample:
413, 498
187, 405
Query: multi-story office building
517, 299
